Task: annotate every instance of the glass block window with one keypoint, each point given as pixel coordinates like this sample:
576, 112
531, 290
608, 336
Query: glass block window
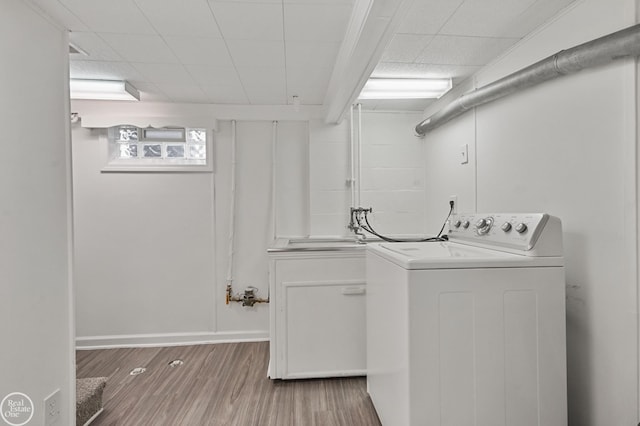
139, 149
152, 150
197, 151
175, 151
127, 134
128, 150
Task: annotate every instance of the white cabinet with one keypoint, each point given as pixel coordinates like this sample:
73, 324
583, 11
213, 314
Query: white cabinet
317, 314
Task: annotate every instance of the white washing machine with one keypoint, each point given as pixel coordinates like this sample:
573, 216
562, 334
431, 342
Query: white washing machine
470, 331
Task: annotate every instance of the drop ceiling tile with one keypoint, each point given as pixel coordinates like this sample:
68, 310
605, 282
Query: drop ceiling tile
307, 76
199, 50
428, 16
264, 86
164, 73
188, 93
538, 14
252, 54
308, 83
212, 75
349, 2
246, 1
100, 70
310, 91
403, 70
488, 18
316, 22
95, 46
343, 2
249, 21
115, 16
455, 50
60, 14
405, 47
225, 94
140, 48
311, 54
180, 17
308, 95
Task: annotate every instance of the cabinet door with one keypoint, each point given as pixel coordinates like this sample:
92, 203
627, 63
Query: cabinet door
325, 328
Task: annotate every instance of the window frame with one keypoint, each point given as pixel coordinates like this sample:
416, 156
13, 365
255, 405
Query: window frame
161, 164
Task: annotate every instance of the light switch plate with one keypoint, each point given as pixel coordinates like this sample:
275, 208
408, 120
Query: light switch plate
464, 154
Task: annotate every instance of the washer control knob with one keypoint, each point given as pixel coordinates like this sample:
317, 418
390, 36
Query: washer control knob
465, 224
521, 228
483, 226
506, 227
457, 224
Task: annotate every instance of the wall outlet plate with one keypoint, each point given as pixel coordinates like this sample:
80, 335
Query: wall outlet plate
454, 198
52, 408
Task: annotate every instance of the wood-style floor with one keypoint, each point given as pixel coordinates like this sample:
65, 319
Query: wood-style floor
222, 384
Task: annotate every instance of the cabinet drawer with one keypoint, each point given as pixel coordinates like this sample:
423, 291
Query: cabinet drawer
320, 269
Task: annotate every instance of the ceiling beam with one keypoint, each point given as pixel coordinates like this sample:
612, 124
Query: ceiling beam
372, 25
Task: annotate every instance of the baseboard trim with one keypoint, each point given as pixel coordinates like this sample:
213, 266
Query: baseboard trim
168, 339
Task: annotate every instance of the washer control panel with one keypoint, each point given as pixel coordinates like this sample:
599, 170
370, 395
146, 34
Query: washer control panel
513, 231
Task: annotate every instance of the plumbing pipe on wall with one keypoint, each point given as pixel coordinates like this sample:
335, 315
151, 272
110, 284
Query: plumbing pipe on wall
619, 45
274, 179
232, 212
356, 155
248, 297
359, 148
352, 142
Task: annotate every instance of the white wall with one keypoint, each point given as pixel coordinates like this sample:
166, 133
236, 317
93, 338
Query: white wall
329, 170
391, 178
292, 179
36, 354
446, 176
143, 247
393, 174
253, 233
567, 147
152, 248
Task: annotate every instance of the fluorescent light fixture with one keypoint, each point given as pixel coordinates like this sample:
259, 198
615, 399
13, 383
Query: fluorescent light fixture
112, 90
405, 88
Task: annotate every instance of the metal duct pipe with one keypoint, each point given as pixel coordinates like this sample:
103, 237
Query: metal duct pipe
619, 45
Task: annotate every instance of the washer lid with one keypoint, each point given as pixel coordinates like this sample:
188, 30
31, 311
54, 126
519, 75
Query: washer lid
448, 255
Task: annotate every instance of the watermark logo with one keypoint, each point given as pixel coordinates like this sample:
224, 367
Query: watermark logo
16, 409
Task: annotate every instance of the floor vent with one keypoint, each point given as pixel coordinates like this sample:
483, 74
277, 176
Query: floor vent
137, 370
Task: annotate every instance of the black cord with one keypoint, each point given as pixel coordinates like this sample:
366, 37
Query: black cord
370, 229
451, 204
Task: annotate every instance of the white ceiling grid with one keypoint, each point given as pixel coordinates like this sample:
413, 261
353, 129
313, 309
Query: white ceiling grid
462, 33
208, 51
267, 51
455, 38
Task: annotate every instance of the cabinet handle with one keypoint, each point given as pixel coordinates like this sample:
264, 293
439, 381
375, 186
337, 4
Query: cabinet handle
353, 291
